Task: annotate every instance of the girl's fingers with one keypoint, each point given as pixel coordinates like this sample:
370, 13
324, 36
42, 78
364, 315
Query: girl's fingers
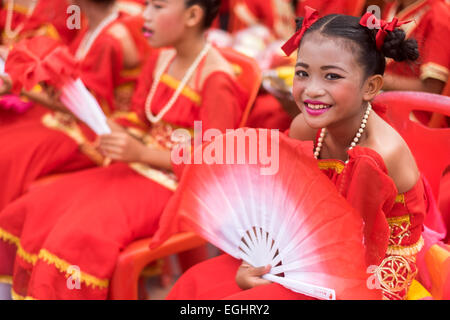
111, 149
260, 282
260, 271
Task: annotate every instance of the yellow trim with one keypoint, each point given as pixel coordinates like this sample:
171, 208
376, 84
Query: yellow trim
434, 71
16, 296
26, 256
417, 292
131, 72
6, 279
398, 220
400, 198
63, 265
8, 237
130, 116
154, 174
331, 164
187, 92
406, 250
51, 121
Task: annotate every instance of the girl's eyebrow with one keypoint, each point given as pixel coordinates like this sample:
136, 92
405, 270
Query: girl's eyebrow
332, 67
306, 66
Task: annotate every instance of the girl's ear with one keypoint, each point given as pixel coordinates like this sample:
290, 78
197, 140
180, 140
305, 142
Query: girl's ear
194, 15
372, 86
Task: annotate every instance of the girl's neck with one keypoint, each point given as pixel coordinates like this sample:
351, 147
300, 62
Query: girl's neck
96, 14
189, 48
342, 134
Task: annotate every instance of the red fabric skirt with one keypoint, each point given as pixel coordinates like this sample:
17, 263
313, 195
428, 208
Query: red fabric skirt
11, 117
214, 279
29, 151
80, 222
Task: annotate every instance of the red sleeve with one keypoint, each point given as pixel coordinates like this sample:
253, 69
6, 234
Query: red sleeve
368, 188
136, 117
222, 102
100, 69
435, 59
222, 106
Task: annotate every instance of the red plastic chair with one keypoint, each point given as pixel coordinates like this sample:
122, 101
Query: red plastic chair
431, 149
430, 146
135, 257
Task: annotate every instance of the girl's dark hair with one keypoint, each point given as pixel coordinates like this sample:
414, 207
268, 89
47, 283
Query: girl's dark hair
211, 8
373, 60
105, 2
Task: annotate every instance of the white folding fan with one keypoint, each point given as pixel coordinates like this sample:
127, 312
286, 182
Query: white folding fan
84, 106
294, 220
42, 59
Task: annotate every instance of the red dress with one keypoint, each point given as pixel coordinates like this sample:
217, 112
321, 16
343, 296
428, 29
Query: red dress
429, 27
52, 143
87, 218
392, 232
48, 18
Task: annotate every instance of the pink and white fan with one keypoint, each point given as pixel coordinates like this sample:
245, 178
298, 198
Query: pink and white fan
294, 220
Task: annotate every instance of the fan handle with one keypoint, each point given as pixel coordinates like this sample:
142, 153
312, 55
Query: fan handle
303, 288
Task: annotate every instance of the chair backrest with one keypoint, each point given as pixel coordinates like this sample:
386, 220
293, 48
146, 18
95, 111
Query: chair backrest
248, 75
430, 146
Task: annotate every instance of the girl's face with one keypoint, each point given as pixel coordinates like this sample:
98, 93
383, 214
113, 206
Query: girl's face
328, 81
164, 22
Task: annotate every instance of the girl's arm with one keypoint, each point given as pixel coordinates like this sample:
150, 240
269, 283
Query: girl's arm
121, 146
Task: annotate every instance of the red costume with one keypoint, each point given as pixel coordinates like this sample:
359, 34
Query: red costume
48, 18
392, 233
429, 26
106, 208
52, 143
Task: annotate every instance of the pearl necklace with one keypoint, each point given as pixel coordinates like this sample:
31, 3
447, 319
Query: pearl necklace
173, 99
355, 140
11, 34
90, 37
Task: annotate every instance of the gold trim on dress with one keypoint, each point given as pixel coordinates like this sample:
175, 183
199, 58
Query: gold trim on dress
331, 164
163, 178
6, 279
406, 250
16, 296
400, 198
187, 92
434, 71
72, 130
63, 266
398, 220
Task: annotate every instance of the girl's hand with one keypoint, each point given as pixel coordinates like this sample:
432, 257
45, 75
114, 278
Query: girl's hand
248, 277
6, 84
120, 145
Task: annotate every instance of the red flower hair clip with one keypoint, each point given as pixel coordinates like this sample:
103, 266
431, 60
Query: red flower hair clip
382, 26
311, 16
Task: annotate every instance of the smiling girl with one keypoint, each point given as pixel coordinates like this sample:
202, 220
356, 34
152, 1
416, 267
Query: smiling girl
338, 72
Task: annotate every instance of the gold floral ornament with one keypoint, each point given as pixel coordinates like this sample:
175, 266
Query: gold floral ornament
393, 276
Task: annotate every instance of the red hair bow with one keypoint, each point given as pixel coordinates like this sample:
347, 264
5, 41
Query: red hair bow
40, 59
382, 26
311, 16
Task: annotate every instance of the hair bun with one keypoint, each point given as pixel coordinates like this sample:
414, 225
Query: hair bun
398, 48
